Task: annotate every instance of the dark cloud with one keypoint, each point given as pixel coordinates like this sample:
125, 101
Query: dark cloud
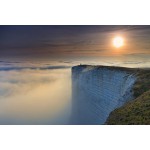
131, 62
33, 68
138, 55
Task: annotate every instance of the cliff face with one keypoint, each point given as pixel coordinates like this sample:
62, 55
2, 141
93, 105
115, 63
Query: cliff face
98, 90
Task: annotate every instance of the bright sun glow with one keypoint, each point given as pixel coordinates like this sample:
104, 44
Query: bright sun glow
118, 42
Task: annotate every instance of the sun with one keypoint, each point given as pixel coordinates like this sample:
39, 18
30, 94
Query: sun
118, 42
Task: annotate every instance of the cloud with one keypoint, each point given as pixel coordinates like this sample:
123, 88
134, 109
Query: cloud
35, 96
139, 56
33, 68
133, 62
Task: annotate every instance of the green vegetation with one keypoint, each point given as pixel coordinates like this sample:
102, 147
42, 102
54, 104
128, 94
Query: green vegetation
143, 82
136, 111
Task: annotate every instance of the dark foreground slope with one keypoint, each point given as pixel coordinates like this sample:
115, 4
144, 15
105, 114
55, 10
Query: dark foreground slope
136, 111
142, 83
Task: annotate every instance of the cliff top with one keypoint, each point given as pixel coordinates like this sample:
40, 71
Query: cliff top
142, 83
111, 67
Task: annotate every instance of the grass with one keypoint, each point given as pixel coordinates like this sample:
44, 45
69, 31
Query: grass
143, 82
135, 112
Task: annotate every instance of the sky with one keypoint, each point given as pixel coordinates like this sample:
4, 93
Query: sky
48, 42
76, 44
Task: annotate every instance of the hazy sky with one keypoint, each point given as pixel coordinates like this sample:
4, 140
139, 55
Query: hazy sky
72, 41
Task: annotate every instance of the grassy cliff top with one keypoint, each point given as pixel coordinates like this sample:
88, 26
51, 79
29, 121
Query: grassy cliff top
142, 83
134, 112
107, 67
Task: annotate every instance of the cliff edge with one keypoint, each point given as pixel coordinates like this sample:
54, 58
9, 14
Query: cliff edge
98, 90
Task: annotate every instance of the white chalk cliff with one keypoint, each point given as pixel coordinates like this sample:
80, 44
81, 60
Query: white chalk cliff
98, 90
